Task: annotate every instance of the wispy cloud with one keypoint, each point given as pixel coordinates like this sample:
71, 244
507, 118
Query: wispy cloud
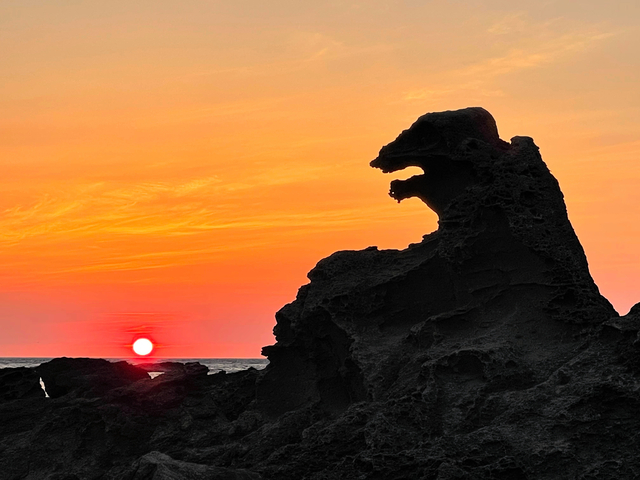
298, 50
115, 226
509, 23
313, 46
529, 46
145, 208
98, 208
525, 58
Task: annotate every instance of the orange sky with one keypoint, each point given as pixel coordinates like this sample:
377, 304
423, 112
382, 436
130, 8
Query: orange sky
175, 168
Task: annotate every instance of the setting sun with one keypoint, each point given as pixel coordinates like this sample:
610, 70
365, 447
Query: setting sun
143, 346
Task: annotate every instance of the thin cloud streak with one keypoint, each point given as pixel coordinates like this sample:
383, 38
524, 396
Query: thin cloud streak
107, 226
480, 77
141, 208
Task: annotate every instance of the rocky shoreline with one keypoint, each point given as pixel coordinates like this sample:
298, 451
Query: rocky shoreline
483, 352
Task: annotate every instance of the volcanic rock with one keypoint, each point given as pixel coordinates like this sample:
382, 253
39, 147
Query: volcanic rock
190, 368
158, 466
485, 351
86, 376
93, 433
502, 287
18, 383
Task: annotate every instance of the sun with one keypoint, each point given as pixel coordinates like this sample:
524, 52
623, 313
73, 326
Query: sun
142, 346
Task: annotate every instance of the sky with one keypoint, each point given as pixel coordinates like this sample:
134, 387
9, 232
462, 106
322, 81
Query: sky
173, 169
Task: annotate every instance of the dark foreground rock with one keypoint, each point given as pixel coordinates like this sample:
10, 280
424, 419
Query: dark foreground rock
483, 352
19, 383
86, 377
158, 466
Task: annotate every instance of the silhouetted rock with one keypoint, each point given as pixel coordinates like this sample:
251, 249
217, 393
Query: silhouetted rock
86, 376
100, 432
191, 368
158, 466
503, 275
483, 352
19, 383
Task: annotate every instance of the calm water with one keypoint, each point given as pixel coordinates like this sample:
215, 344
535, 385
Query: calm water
215, 365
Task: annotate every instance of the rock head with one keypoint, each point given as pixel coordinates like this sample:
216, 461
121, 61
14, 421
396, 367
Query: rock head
446, 146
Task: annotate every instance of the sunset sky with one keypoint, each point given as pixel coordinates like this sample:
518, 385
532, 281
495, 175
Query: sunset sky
174, 168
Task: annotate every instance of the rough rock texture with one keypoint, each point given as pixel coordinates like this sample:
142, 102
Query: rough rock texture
190, 368
483, 352
89, 377
17, 383
101, 434
158, 466
503, 275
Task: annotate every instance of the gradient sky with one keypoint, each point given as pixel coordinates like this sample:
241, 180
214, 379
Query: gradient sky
174, 168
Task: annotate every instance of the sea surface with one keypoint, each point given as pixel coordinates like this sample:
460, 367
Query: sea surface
215, 365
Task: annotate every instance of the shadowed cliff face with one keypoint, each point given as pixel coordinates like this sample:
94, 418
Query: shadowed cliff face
503, 275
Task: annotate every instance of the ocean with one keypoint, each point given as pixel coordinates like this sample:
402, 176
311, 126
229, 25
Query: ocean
215, 365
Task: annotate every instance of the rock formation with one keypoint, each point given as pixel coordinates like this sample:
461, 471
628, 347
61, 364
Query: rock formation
87, 377
19, 383
504, 271
483, 352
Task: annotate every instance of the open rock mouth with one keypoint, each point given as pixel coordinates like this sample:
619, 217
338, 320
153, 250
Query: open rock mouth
401, 189
442, 179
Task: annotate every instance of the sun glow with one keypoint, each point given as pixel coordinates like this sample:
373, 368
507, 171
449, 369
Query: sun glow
142, 346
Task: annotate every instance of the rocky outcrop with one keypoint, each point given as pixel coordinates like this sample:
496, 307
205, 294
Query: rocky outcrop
483, 352
158, 466
86, 377
109, 433
19, 383
189, 368
502, 276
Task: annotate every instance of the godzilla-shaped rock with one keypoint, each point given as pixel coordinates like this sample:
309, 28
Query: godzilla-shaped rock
497, 295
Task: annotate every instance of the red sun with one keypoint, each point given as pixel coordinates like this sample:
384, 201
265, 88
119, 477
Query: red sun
142, 346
